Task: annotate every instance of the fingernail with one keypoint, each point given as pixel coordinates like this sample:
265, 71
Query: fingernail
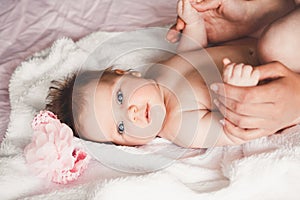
222, 121
216, 102
169, 41
214, 87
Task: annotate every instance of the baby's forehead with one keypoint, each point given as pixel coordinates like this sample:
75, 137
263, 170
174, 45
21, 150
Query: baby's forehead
96, 116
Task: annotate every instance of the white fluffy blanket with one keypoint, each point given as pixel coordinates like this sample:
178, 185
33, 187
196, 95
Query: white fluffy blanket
267, 168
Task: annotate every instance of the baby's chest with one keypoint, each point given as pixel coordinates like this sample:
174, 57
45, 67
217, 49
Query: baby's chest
193, 93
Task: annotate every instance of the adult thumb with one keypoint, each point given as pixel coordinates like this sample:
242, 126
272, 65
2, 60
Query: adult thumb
271, 70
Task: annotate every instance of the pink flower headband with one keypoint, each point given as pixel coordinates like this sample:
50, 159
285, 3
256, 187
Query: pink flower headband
52, 153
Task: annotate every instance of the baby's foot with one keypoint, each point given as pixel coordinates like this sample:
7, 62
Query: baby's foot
239, 74
187, 12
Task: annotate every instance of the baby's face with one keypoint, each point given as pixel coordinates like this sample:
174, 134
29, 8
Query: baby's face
129, 110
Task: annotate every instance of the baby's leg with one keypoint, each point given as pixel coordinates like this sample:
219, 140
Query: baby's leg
281, 41
239, 74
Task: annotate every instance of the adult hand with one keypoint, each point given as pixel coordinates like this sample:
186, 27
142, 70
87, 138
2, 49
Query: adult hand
231, 19
253, 112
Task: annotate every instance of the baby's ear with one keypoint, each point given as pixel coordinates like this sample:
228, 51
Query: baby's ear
135, 73
131, 72
119, 71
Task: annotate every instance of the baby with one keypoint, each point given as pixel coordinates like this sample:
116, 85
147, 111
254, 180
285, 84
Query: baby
171, 100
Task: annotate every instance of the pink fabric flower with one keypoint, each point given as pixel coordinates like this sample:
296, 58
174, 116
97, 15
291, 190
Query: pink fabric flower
52, 153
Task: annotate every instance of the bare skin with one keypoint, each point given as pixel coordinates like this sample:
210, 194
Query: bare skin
210, 132
280, 41
247, 113
191, 120
230, 19
236, 74
254, 112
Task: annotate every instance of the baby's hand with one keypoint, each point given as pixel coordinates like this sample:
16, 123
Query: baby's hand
187, 13
239, 74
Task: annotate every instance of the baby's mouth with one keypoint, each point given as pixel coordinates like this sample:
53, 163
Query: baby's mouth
147, 113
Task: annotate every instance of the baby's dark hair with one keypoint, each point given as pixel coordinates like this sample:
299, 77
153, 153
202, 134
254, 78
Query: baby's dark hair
67, 101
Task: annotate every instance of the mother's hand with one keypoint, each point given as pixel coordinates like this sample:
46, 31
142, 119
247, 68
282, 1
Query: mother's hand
253, 112
231, 19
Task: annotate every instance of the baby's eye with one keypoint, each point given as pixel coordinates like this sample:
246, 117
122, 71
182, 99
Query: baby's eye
121, 127
120, 97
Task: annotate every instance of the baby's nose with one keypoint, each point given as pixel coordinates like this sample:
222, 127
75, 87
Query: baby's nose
133, 113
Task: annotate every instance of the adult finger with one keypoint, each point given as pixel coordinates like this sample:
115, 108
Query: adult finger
271, 70
240, 134
205, 5
263, 110
234, 139
173, 35
256, 94
242, 121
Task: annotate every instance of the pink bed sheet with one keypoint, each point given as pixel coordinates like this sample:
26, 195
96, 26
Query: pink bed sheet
28, 26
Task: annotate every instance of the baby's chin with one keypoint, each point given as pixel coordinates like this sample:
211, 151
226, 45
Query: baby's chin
157, 116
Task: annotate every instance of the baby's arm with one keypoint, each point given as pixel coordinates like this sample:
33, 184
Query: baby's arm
194, 34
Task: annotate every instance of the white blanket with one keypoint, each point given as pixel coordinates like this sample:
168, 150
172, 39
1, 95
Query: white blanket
267, 168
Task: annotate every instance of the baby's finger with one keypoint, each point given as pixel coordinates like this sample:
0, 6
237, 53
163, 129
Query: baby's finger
227, 73
247, 71
237, 71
